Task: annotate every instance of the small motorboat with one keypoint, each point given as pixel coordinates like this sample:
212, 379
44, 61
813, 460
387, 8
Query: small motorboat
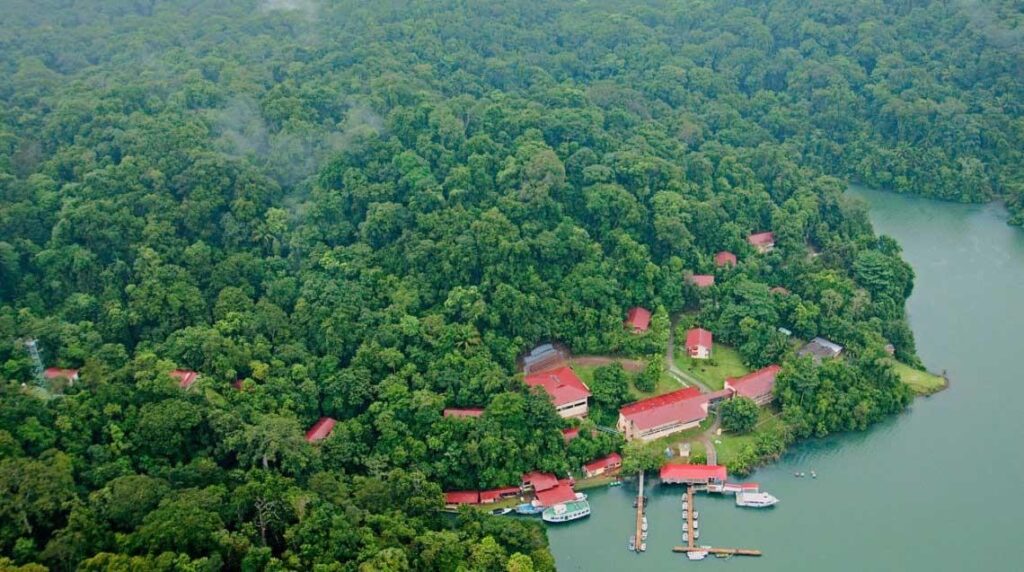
501, 511
643, 547
686, 537
615, 484
696, 524
695, 515
632, 543
814, 475
643, 535
697, 554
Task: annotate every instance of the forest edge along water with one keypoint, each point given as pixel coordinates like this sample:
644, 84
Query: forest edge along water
899, 496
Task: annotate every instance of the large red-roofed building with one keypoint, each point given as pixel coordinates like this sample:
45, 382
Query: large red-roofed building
556, 495
568, 393
725, 258
462, 497
638, 319
185, 377
539, 481
680, 474
762, 241
494, 495
663, 415
699, 343
463, 412
602, 465
757, 385
320, 430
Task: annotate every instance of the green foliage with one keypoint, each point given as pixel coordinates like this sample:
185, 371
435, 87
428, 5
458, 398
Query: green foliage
738, 414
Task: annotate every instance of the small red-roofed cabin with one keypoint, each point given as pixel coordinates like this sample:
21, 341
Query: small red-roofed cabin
568, 393
638, 320
602, 465
461, 497
682, 474
186, 378
52, 373
463, 412
539, 481
725, 258
556, 495
757, 386
494, 495
699, 343
762, 241
663, 415
320, 430
570, 433
702, 280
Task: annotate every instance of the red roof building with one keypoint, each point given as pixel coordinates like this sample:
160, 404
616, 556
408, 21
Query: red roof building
568, 393
570, 433
762, 241
185, 377
676, 474
464, 412
699, 343
556, 495
61, 373
725, 258
602, 465
539, 481
702, 280
320, 430
462, 497
638, 319
663, 415
779, 290
494, 495
757, 385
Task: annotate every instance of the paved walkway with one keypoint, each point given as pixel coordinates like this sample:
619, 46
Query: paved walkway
687, 379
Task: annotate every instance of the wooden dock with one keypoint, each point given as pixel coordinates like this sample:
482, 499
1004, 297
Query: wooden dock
689, 517
691, 543
640, 514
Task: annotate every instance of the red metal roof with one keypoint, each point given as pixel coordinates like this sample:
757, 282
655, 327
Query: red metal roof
702, 280
57, 372
570, 433
684, 405
675, 472
725, 257
185, 377
562, 385
540, 481
561, 493
779, 290
638, 318
755, 384
320, 430
495, 494
698, 337
607, 462
761, 239
462, 497
464, 412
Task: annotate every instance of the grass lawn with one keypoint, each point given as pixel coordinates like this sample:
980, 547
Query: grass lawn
922, 382
727, 364
731, 445
665, 384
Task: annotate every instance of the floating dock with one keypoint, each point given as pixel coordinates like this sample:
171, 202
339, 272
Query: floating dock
640, 514
691, 544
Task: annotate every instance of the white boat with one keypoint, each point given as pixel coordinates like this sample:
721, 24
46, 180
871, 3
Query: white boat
572, 510
632, 543
686, 537
697, 554
643, 527
501, 511
643, 535
643, 547
755, 499
581, 496
695, 515
696, 524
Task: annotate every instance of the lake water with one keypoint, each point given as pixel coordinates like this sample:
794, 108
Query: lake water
932, 489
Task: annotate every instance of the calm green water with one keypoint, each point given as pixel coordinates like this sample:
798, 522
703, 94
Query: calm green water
933, 489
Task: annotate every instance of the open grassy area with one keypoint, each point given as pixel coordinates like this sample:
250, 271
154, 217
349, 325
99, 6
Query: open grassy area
922, 382
665, 383
729, 445
726, 363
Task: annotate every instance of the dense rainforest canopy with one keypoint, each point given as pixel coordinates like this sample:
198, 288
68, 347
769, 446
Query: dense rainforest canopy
368, 210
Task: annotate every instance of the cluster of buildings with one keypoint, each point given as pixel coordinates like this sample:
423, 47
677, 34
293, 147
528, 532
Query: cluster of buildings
762, 242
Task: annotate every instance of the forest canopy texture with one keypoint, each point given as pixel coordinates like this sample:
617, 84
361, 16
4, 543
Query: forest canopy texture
369, 210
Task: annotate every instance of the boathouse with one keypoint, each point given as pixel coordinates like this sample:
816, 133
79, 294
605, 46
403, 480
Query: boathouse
638, 320
663, 415
725, 258
602, 465
567, 392
762, 241
683, 474
757, 386
463, 412
556, 495
494, 495
185, 377
699, 343
702, 280
320, 430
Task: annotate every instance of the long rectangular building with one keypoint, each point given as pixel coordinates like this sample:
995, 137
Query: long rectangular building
663, 415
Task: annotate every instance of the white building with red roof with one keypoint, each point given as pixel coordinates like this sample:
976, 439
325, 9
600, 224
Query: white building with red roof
683, 474
602, 465
699, 343
663, 415
762, 241
638, 319
320, 430
757, 386
567, 391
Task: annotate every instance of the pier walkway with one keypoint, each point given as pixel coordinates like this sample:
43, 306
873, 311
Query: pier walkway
640, 514
691, 543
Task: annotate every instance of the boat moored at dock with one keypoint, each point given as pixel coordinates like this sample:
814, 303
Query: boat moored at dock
565, 512
755, 499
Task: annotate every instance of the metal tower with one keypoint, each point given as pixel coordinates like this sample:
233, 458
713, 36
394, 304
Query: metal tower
37, 362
